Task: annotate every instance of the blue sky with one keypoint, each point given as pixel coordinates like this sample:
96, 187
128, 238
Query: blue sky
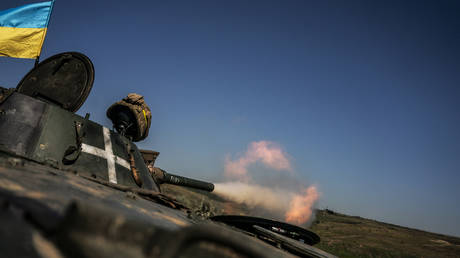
362, 95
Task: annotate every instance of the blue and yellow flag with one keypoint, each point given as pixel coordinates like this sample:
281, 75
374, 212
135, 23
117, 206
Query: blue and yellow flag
23, 29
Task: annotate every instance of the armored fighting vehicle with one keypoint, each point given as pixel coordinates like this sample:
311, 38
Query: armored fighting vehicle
70, 187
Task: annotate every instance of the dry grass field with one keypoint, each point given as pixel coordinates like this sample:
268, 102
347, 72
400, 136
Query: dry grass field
341, 235
349, 236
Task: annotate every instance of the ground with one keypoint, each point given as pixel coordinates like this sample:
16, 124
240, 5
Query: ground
350, 236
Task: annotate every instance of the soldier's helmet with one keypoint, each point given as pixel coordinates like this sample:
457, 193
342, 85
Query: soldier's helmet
131, 117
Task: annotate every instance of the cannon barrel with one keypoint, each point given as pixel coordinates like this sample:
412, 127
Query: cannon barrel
164, 177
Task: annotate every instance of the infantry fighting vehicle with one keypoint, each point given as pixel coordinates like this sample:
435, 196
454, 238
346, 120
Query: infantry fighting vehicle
70, 187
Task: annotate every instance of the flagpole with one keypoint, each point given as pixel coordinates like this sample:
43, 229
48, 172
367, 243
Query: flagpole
37, 60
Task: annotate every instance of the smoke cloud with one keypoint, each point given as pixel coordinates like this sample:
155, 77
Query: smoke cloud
265, 152
294, 206
276, 200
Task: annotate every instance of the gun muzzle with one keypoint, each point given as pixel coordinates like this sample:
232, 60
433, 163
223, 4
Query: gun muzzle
164, 177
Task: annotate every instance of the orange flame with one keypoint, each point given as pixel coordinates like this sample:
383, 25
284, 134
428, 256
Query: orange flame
300, 207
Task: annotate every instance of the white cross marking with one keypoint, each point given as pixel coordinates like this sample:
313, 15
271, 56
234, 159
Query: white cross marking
107, 154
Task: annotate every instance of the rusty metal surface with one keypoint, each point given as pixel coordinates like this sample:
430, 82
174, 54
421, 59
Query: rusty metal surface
56, 189
134, 171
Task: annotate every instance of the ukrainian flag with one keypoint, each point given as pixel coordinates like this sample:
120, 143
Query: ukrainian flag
23, 29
